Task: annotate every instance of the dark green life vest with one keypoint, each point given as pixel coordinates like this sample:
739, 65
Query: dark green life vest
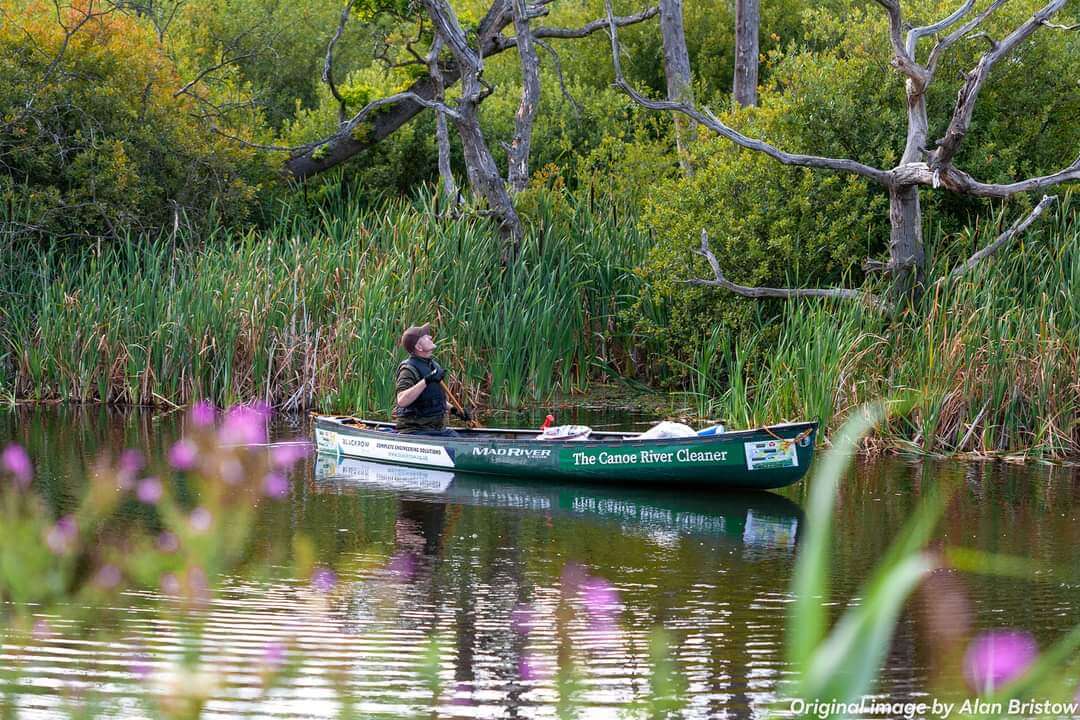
432, 401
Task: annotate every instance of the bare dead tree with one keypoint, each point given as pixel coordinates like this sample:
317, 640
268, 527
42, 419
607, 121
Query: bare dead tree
518, 154
399, 109
747, 25
919, 167
442, 132
483, 173
677, 72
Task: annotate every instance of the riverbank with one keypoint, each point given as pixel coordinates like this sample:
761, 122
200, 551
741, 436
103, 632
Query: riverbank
307, 315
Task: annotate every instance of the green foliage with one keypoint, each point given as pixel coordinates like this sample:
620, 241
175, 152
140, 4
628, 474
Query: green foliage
99, 140
832, 93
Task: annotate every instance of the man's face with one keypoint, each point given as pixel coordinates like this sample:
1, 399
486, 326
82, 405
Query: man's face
425, 346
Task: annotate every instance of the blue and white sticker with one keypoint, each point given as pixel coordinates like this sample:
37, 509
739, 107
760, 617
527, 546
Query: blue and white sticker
417, 453
771, 454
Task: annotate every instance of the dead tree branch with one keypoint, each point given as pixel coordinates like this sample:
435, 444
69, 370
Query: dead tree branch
785, 293
559, 75
328, 63
518, 155
343, 145
1018, 228
949, 145
442, 132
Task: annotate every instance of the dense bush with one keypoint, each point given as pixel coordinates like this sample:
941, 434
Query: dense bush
834, 94
94, 137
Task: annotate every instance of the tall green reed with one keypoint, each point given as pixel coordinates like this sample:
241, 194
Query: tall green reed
308, 311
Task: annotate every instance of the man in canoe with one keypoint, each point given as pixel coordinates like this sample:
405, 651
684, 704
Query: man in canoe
421, 401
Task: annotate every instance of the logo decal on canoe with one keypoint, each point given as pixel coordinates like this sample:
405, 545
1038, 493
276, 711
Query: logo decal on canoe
770, 454
535, 454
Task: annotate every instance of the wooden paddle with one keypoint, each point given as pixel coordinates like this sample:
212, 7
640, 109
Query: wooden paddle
457, 405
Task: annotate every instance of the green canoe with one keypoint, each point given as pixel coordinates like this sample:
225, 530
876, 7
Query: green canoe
767, 457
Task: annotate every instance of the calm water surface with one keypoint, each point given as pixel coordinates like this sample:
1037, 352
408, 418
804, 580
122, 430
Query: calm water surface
421, 555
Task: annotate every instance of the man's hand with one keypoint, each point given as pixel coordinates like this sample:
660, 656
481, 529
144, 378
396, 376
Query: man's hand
435, 376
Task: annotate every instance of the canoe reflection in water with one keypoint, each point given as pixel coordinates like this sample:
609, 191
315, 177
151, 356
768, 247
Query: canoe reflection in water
758, 521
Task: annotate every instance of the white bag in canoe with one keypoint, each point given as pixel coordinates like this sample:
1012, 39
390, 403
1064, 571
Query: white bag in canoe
565, 432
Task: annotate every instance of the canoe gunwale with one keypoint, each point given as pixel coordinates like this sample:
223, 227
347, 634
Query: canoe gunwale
376, 428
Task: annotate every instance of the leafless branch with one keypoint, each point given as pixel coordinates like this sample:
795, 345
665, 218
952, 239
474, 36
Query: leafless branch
442, 132
787, 293
949, 145
917, 33
952, 178
710, 121
259, 146
1003, 239
1054, 26
328, 63
560, 33
949, 40
559, 74
903, 59
225, 60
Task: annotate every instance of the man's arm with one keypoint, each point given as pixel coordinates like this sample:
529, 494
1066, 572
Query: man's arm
407, 397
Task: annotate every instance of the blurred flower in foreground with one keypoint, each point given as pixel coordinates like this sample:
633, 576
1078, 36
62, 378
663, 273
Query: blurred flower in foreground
323, 579
149, 491
275, 485
273, 655
524, 619
288, 454
200, 519
15, 460
996, 657
61, 537
203, 414
183, 454
245, 425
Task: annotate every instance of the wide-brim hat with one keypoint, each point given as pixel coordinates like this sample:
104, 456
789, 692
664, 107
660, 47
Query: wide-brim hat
410, 337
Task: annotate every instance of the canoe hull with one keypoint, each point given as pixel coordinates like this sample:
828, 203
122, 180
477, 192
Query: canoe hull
763, 458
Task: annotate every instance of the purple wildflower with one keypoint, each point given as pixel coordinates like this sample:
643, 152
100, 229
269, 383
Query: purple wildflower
323, 579
288, 454
149, 491
140, 667
462, 694
183, 455
403, 566
530, 669
275, 485
131, 462
245, 425
274, 655
996, 657
170, 584
203, 414
61, 537
600, 596
108, 577
15, 460
168, 542
523, 619
200, 519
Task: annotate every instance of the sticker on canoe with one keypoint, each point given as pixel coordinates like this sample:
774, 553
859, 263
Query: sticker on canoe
392, 450
771, 454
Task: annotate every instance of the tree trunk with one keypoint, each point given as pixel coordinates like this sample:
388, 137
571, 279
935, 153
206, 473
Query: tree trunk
442, 132
518, 155
677, 70
484, 177
906, 257
747, 20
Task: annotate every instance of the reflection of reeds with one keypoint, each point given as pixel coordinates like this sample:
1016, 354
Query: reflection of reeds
310, 310
995, 357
